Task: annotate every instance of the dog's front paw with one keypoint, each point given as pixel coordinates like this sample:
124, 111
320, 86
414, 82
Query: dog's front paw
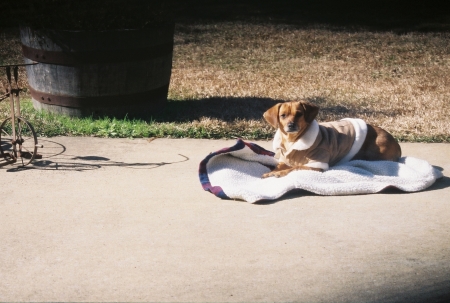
266, 175
275, 174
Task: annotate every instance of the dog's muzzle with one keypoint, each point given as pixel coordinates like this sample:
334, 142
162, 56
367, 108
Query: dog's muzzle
291, 127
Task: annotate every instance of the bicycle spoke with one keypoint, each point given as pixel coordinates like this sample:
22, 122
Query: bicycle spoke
4, 131
25, 138
23, 147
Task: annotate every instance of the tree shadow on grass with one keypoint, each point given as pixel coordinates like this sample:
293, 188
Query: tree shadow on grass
381, 15
229, 109
400, 16
223, 108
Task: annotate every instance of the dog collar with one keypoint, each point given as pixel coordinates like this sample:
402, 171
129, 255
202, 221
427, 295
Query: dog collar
305, 142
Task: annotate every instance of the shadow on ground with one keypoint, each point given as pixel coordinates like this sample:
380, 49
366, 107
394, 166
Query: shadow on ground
252, 108
223, 108
437, 291
56, 158
400, 16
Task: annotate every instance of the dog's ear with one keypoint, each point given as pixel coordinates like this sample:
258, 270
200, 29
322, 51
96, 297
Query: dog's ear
271, 115
310, 111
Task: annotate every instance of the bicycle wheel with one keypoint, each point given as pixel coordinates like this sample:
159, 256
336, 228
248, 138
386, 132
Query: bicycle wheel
21, 148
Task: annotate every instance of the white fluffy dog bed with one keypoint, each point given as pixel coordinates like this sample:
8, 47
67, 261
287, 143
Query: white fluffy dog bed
235, 173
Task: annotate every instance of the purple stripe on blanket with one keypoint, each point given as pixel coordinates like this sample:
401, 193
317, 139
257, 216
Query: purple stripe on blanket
203, 173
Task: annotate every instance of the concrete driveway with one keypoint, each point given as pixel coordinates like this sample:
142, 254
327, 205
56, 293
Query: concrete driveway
127, 220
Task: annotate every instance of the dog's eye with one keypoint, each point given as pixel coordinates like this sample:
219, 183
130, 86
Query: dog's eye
283, 116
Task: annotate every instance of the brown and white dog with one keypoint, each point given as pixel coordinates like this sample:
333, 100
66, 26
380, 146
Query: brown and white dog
302, 143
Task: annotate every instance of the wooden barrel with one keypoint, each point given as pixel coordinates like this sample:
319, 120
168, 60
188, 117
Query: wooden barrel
105, 73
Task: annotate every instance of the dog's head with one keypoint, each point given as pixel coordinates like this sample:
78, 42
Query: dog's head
293, 118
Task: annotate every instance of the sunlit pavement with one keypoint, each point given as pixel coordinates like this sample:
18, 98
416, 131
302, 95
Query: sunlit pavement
127, 220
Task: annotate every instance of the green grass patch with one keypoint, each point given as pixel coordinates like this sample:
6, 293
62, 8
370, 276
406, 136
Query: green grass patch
49, 125
174, 122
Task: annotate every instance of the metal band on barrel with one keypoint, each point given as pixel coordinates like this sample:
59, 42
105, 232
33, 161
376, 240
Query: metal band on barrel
95, 101
92, 57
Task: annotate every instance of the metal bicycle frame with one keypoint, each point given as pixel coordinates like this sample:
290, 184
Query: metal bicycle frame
13, 93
